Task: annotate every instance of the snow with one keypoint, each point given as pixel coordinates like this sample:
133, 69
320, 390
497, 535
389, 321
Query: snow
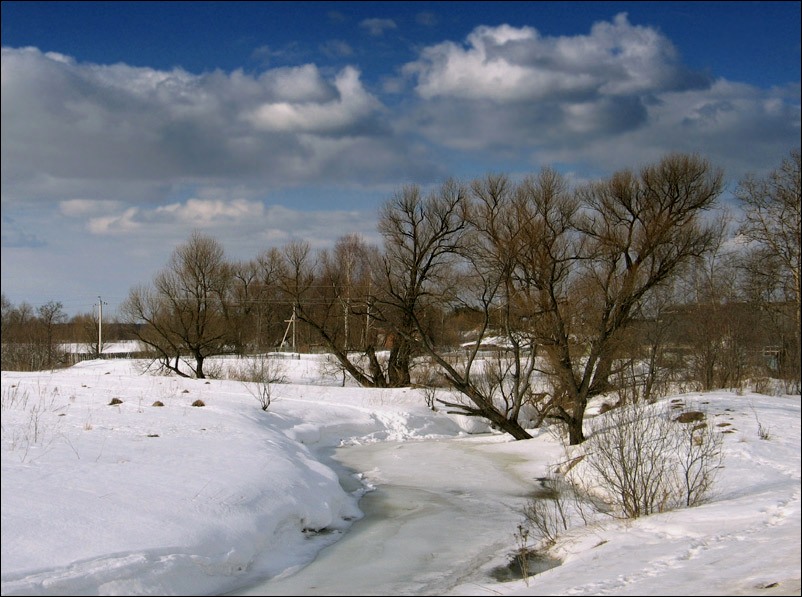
101, 499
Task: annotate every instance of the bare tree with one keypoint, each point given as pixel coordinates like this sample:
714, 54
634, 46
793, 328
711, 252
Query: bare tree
440, 256
595, 258
273, 308
20, 349
243, 309
640, 460
85, 329
6, 310
185, 311
497, 387
772, 208
421, 241
51, 314
330, 293
27, 344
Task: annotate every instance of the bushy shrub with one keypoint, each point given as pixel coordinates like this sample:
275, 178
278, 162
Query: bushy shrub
642, 459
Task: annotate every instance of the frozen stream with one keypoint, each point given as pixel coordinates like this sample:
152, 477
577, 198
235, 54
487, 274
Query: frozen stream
446, 522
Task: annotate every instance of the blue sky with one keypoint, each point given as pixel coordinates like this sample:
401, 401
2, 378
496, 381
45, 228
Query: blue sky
126, 125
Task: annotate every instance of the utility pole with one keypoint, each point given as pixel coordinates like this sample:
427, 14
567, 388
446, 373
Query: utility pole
290, 323
367, 312
100, 326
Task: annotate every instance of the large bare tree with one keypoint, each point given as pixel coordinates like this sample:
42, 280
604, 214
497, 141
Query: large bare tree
422, 236
497, 382
331, 294
636, 232
50, 315
572, 269
184, 312
772, 208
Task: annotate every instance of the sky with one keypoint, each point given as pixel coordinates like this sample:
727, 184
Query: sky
126, 126
339, 490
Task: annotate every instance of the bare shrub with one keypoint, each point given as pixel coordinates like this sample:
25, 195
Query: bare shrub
763, 432
214, 369
331, 367
430, 395
30, 426
522, 551
699, 454
558, 505
260, 376
14, 397
548, 512
639, 461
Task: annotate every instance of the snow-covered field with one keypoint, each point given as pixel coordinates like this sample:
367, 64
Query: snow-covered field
134, 498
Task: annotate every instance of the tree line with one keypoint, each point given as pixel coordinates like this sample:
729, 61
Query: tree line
490, 287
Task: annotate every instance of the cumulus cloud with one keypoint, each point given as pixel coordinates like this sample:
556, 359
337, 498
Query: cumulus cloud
601, 100
76, 130
192, 213
508, 64
201, 213
247, 226
343, 113
739, 127
82, 207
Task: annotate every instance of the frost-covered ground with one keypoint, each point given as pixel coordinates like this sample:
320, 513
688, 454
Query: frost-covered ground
175, 499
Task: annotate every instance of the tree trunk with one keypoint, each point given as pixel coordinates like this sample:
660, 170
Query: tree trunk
575, 434
199, 366
398, 375
576, 421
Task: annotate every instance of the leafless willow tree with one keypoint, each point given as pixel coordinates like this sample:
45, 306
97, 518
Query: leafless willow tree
84, 329
50, 315
772, 208
414, 274
184, 312
559, 274
330, 294
585, 261
30, 336
454, 252
635, 232
488, 245
243, 308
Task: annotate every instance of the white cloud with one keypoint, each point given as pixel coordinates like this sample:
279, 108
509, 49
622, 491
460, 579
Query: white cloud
614, 98
123, 223
351, 106
738, 127
377, 27
81, 207
508, 64
240, 222
201, 212
76, 130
